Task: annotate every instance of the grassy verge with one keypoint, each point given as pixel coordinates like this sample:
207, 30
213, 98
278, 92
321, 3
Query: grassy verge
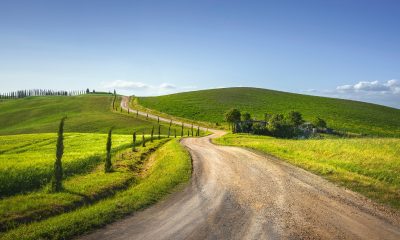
370, 166
78, 190
170, 166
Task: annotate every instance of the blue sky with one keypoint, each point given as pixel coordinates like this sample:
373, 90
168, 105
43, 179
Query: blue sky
341, 48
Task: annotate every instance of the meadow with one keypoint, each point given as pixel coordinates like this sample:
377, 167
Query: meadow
344, 115
370, 166
90, 113
168, 168
26, 160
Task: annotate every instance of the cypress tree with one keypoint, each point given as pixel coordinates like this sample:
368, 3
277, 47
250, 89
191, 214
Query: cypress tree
143, 141
188, 133
107, 165
128, 110
175, 132
152, 132
192, 129
159, 131
198, 131
58, 171
182, 131
134, 141
169, 131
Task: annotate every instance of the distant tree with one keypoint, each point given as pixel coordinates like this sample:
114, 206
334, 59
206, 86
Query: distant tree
143, 141
232, 116
115, 92
159, 131
169, 131
278, 127
133, 141
188, 133
246, 116
58, 171
319, 123
198, 131
151, 136
182, 130
192, 129
175, 132
87, 91
108, 165
295, 118
94, 91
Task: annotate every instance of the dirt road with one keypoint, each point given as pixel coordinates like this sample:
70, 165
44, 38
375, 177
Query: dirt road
237, 194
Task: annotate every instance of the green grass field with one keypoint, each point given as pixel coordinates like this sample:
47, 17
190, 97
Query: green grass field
370, 166
345, 115
168, 168
86, 113
26, 160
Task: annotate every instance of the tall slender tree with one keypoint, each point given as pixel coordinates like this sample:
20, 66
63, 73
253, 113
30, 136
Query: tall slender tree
143, 141
182, 131
151, 136
134, 142
107, 164
192, 129
175, 132
159, 131
58, 171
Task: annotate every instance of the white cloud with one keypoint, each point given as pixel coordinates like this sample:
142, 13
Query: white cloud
129, 87
167, 86
125, 85
388, 87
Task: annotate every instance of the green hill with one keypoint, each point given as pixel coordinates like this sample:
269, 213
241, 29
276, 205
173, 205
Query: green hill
346, 115
86, 113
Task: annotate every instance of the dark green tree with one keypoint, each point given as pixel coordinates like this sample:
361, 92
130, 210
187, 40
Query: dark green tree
152, 133
134, 142
198, 131
159, 131
175, 132
107, 164
58, 171
143, 141
182, 131
246, 116
192, 129
319, 123
232, 116
169, 131
295, 118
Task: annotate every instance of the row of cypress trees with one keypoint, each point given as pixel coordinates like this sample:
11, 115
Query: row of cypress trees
40, 92
58, 170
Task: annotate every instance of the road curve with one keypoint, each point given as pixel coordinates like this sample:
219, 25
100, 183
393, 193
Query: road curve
237, 194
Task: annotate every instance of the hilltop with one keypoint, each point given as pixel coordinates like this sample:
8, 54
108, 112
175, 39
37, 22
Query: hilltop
340, 114
89, 113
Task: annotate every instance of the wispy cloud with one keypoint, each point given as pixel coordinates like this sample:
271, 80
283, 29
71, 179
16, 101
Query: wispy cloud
381, 92
388, 87
143, 88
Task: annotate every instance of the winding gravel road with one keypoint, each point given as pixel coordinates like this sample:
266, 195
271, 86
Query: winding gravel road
238, 194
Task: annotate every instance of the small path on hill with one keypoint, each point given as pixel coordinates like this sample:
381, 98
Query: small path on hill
237, 194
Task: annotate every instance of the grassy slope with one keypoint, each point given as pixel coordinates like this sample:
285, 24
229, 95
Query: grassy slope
26, 162
86, 113
78, 189
210, 105
370, 166
171, 167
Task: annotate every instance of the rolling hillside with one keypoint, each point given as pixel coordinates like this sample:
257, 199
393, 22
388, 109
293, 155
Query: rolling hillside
86, 113
346, 115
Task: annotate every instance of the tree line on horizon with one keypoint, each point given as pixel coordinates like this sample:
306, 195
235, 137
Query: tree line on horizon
40, 92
